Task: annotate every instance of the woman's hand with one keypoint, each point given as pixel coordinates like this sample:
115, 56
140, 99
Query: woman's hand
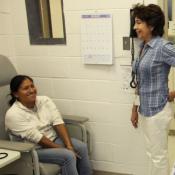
75, 153
47, 143
134, 117
171, 96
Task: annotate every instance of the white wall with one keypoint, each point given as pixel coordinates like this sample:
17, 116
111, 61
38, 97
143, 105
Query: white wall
88, 90
6, 32
151, 2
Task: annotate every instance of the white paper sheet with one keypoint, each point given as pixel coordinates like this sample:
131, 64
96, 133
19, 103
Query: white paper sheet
96, 38
126, 78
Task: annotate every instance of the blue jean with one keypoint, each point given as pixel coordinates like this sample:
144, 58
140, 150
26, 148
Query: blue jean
66, 158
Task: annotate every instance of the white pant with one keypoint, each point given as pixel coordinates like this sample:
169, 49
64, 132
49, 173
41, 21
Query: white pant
155, 131
173, 170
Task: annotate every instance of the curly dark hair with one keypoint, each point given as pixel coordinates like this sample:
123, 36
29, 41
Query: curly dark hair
152, 15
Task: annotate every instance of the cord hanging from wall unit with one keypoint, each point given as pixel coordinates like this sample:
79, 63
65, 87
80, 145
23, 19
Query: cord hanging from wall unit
133, 83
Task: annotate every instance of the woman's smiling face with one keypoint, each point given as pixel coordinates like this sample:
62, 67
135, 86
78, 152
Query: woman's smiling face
144, 31
26, 93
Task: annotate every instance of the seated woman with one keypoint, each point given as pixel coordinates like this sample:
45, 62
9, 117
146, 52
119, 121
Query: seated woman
36, 119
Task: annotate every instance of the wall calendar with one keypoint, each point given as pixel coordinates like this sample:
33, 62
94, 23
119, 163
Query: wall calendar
96, 38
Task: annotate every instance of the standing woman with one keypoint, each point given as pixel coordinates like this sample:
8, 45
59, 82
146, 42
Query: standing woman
152, 68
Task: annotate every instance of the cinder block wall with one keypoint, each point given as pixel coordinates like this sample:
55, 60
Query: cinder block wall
6, 31
94, 91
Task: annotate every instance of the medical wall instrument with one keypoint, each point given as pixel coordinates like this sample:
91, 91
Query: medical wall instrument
3, 155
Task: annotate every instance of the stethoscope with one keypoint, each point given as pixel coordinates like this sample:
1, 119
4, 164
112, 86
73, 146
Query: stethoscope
3, 155
133, 83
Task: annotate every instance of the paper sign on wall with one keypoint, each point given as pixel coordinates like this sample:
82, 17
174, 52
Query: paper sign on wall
126, 78
96, 38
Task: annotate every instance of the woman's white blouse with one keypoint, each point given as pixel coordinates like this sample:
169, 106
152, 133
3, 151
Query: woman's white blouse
31, 124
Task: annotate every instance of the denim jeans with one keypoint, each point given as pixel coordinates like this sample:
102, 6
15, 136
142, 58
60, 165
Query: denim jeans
66, 158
